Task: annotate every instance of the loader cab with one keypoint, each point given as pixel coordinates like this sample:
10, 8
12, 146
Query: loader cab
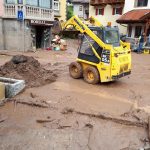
109, 35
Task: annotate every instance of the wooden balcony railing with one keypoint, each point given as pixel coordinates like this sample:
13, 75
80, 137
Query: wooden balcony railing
105, 2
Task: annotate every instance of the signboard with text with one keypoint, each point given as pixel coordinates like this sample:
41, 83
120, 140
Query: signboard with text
41, 22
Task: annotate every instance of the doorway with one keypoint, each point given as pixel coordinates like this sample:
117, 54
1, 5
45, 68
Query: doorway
39, 36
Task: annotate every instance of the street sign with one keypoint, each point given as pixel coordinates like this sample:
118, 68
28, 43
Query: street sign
20, 15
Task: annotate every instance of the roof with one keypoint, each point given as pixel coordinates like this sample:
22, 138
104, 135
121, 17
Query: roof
135, 16
81, 1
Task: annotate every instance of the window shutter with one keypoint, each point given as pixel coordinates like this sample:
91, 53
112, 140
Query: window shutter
96, 11
113, 11
121, 9
102, 11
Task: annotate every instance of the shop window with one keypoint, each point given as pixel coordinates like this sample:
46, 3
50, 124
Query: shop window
80, 8
99, 11
129, 31
138, 31
117, 11
141, 3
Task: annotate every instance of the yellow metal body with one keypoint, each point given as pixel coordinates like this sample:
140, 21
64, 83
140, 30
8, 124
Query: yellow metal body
146, 51
120, 57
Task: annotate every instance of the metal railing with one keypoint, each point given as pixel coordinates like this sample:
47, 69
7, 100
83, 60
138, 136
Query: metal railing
30, 12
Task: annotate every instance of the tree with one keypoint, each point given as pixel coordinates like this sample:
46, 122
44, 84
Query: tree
69, 11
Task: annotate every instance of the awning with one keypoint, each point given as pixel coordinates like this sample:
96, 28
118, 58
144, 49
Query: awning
135, 16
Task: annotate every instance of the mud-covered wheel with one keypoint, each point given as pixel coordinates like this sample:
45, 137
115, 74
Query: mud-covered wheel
91, 75
76, 70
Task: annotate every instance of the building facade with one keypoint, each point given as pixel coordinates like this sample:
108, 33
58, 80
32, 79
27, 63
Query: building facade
60, 8
137, 17
108, 11
81, 8
25, 24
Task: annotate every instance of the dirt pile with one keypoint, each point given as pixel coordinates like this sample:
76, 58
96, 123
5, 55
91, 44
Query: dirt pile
28, 69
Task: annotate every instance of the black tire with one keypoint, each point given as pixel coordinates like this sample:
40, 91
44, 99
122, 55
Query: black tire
91, 75
76, 70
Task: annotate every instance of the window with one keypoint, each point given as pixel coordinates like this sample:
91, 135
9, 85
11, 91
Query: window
20, 1
80, 8
56, 5
44, 3
111, 37
138, 31
129, 31
117, 11
40, 3
99, 11
141, 3
10, 1
32, 2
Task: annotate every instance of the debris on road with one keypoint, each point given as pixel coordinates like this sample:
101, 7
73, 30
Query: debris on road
59, 44
12, 86
44, 121
33, 103
27, 68
2, 120
118, 120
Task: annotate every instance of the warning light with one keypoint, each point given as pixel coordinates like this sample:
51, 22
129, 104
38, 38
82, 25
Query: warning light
109, 24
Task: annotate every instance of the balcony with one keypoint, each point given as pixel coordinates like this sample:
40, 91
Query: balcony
105, 2
30, 12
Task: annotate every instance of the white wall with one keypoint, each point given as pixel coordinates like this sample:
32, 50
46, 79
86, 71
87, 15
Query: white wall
76, 10
129, 5
80, 14
108, 17
1, 8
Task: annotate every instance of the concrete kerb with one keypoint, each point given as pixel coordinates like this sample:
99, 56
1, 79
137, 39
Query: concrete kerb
12, 86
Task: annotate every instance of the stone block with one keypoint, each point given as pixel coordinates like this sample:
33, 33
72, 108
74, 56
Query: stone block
12, 86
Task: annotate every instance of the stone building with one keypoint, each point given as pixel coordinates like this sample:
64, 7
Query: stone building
25, 24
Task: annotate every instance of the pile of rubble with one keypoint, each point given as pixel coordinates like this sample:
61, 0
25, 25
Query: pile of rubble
28, 69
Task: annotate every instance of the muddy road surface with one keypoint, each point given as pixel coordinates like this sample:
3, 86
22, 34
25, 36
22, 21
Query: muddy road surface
72, 115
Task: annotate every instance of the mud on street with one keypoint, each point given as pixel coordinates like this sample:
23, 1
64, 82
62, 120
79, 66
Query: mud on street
69, 114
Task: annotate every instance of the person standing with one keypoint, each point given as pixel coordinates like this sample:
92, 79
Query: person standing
149, 40
141, 43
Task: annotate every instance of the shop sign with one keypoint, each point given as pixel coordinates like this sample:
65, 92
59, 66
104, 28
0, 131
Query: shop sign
41, 22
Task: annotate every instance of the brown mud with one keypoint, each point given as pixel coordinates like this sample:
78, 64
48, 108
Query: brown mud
28, 69
110, 116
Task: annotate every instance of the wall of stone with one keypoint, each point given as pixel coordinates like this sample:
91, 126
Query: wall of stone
1, 35
17, 35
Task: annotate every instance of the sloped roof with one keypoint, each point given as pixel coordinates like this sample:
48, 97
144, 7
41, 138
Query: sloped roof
80, 1
135, 16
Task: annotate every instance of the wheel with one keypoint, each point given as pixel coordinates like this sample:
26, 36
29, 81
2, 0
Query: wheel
91, 75
75, 70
